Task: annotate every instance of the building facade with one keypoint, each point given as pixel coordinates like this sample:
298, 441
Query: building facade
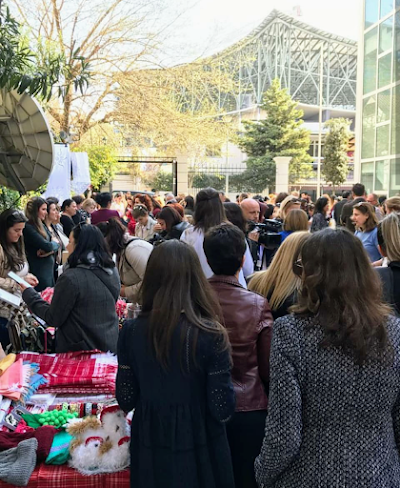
379, 98
285, 48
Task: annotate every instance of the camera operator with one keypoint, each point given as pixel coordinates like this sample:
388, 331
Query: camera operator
263, 238
251, 213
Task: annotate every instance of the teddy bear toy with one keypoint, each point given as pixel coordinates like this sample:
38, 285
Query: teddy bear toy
100, 445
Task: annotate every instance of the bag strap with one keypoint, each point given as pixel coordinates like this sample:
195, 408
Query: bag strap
132, 239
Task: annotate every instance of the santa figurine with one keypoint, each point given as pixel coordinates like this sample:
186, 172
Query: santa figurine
114, 423
100, 446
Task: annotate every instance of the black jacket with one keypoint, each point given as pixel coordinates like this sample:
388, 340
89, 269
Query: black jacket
42, 268
390, 278
338, 208
82, 309
67, 223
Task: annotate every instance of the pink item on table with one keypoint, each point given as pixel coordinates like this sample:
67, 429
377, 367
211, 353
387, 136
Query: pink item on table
12, 381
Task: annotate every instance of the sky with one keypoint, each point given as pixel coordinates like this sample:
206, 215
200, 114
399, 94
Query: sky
208, 26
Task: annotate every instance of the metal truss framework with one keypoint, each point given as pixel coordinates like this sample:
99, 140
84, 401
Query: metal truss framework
285, 48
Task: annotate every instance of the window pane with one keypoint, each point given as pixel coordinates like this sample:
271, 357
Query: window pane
385, 70
371, 12
370, 54
383, 113
368, 136
397, 46
382, 140
367, 176
386, 35
394, 177
386, 7
396, 120
382, 175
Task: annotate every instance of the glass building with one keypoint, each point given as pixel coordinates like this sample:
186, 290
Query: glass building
380, 139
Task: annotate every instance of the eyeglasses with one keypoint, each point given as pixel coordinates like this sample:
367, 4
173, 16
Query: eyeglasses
140, 207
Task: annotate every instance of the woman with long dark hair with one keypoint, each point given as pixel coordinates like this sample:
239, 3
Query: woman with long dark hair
39, 246
50, 222
174, 369
12, 258
132, 256
320, 217
208, 213
234, 214
83, 305
334, 409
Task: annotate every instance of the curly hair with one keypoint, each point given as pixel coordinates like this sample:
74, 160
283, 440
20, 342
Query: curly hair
144, 200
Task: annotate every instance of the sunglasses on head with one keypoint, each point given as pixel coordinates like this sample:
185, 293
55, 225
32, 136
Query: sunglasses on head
298, 267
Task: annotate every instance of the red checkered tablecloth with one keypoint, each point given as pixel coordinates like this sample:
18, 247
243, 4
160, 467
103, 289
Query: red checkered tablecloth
65, 477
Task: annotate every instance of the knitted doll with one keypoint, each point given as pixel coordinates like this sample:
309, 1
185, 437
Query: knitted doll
100, 447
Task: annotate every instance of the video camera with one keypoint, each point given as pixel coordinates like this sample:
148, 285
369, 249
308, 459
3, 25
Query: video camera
268, 232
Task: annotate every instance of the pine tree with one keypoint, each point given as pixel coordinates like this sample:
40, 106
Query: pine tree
336, 162
279, 134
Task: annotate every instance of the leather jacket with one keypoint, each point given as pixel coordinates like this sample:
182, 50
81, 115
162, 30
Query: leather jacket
248, 319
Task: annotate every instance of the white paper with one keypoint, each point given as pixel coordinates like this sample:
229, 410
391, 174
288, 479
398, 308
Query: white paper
18, 279
10, 298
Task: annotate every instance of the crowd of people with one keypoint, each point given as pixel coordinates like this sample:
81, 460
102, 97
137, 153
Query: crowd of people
265, 350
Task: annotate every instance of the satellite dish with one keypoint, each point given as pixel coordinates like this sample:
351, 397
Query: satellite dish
26, 144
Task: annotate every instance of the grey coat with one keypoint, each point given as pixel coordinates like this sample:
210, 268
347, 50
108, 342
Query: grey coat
82, 309
331, 423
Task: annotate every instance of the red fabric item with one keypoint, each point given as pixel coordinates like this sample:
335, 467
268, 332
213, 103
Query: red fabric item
75, 372
44, 436
48, 476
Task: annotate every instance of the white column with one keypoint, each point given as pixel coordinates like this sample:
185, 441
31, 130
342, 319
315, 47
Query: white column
182, 173
282, 173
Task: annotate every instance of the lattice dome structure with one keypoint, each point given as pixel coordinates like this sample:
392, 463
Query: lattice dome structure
286, 48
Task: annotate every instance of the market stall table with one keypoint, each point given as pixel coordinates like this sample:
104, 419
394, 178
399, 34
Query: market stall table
45, 476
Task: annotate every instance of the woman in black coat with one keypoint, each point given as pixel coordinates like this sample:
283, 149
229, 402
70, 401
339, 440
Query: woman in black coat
174, 369
83, 305
39, 247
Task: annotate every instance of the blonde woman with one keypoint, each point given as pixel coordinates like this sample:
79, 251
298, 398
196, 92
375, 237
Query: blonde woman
389, 245
88, 207
288, 204
295, 221
278, 283
392, 205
